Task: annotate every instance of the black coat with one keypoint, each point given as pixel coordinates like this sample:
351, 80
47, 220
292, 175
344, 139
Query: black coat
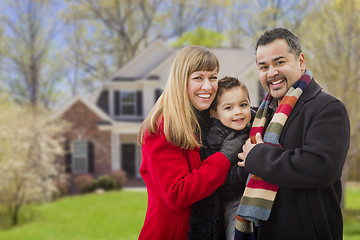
207, 215
307, 169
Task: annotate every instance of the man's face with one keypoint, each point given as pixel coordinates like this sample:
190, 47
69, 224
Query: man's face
278, 67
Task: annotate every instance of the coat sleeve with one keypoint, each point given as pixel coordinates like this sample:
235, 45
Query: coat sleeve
314, 153
173, 177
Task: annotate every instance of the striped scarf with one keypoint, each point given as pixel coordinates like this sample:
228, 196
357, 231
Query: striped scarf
258, 198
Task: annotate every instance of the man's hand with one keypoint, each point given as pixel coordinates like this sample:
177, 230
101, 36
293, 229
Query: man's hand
247, 148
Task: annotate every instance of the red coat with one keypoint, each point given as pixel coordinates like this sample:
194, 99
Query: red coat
175, 179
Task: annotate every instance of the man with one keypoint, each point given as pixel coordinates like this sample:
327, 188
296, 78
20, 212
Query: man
306, 142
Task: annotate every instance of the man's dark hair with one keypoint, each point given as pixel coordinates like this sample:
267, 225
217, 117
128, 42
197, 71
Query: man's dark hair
280, 33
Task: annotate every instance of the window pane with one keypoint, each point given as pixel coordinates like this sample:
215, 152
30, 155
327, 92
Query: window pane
128, 110
80, 156
79, 165
128, 97
80, 148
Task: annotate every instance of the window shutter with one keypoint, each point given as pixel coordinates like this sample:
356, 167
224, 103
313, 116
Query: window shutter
139, 109
67, 157
158, 93
91, 156
117, 103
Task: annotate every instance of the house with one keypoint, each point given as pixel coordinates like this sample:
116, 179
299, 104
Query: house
105, 125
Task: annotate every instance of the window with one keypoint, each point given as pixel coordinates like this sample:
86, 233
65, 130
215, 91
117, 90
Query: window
128, 104
80, 158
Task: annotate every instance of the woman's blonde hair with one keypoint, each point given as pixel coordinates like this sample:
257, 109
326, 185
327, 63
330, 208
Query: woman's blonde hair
181, 126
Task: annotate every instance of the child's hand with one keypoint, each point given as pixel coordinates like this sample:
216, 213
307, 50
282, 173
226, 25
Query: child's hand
247, 148
231, 147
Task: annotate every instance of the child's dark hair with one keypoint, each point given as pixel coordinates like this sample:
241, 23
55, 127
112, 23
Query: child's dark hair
227, 83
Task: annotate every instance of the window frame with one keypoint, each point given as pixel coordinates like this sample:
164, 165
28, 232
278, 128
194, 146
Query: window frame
76, 156
122, 103
136, 104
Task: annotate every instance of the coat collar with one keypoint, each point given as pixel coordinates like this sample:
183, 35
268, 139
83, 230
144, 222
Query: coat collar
311, 91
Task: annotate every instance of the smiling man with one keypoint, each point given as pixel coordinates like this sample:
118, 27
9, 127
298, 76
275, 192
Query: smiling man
296, 151
278, 67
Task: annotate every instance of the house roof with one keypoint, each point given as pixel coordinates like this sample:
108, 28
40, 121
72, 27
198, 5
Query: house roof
144, 62
158, 55
62, 109
234, 62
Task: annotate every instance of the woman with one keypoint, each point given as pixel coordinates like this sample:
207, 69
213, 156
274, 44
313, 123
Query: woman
171, 136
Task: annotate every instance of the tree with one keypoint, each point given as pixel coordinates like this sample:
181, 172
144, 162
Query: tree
175, 17
104, 35
30, 140
201, 36
331, 39
247, 20
33, 67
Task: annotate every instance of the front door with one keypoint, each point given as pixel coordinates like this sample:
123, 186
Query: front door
128, 159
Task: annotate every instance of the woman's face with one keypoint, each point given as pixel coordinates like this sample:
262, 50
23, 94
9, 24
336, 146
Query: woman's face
202, 87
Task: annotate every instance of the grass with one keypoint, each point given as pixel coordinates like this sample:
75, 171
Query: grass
352, 212
111, 216
119, 216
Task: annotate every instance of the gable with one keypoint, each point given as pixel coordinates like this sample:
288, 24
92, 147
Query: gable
89, 106
144, 62
162, 70
80, 114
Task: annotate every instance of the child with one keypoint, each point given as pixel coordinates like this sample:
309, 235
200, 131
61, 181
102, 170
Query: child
214, 217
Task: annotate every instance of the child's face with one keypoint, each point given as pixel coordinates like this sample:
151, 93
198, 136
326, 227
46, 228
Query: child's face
233, 108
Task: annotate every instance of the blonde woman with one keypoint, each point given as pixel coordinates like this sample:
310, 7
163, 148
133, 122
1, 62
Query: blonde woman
172, 139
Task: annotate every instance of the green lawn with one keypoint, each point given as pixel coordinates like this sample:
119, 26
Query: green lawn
119, 216
352, 212
111, 216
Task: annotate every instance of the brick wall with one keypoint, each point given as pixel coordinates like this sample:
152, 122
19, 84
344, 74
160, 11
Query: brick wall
84, 127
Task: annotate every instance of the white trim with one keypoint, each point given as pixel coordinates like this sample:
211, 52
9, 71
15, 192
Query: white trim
111, 103
122, 127
115, 165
